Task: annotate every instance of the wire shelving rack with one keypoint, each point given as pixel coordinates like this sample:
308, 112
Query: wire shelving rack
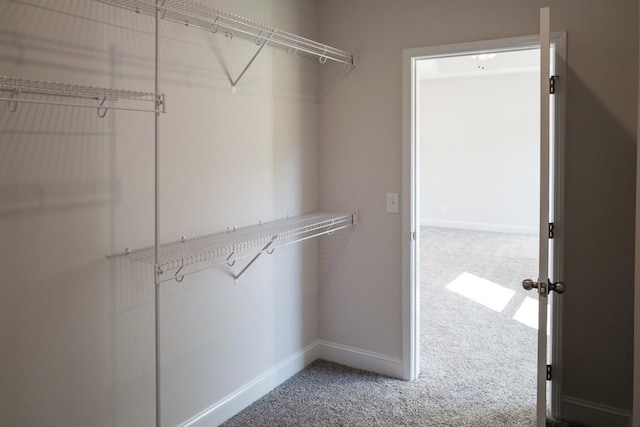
215, 20
179, 258
66, 94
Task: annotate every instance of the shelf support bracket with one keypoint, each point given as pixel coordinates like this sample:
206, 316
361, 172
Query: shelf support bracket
262, 45
246, 267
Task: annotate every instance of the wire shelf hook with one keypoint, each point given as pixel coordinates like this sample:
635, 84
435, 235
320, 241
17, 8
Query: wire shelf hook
104, 109
231, 264
214, 25
163, 10
270, 252
259, 38
181, 278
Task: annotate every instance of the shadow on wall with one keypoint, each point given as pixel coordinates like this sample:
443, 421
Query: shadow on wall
55, 159
599, 168
130, 398
331, 250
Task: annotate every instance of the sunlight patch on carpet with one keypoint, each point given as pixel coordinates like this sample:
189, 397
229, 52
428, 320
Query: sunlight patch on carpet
527, 314
482, 291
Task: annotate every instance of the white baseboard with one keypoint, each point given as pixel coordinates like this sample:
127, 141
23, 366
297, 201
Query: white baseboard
255, 389
360, 359
268, 380
480, 226
589, 413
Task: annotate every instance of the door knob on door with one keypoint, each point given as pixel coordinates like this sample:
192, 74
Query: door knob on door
558, 287
529, 284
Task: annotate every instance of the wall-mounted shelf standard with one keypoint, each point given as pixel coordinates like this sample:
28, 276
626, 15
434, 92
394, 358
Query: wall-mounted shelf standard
17, 86
177, 259
215, 20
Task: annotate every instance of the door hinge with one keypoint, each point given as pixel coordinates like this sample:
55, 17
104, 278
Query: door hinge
552, 84
548, 372
551, 230
412, 236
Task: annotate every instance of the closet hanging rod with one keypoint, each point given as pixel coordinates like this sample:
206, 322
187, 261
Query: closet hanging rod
201, 16
18, 86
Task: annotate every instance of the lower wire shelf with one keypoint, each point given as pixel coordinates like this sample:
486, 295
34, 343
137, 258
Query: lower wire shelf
187, 256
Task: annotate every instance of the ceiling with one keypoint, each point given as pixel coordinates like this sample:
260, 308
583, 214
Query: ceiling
510, 62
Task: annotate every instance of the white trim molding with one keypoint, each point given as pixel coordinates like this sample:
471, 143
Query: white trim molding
590, 413
244, 396
360, 359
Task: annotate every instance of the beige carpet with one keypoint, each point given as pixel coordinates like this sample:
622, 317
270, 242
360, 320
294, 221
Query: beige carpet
478, 363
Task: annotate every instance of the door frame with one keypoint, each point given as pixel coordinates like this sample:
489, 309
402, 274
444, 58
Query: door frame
410, 197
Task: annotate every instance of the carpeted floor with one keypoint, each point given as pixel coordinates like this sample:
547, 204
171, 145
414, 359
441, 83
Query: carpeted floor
478, 364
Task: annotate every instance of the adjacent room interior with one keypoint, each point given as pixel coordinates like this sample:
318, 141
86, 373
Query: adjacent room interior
478, 187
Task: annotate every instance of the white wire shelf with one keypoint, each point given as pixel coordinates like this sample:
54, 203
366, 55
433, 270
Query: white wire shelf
215, 20
179, 258
17, 86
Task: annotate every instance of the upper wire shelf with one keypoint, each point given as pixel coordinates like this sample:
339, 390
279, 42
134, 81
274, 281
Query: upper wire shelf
18, 86
208, 18
179, 258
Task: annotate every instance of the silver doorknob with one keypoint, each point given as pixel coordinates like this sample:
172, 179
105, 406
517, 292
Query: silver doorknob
559, 287
529, 284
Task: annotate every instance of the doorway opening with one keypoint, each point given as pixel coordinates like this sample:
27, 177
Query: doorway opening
472, 218
478, 142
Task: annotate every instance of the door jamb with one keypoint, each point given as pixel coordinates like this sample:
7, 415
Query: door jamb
410, 197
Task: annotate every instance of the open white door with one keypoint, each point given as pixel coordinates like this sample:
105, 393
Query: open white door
543, 284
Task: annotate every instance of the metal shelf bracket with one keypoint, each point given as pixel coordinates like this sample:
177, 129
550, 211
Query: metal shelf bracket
263, 250
262, 43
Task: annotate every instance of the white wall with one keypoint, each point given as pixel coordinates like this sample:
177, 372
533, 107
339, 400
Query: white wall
361, 147
77, 330
479, 150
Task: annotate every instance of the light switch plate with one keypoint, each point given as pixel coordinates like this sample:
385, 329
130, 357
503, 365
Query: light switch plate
392, 203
